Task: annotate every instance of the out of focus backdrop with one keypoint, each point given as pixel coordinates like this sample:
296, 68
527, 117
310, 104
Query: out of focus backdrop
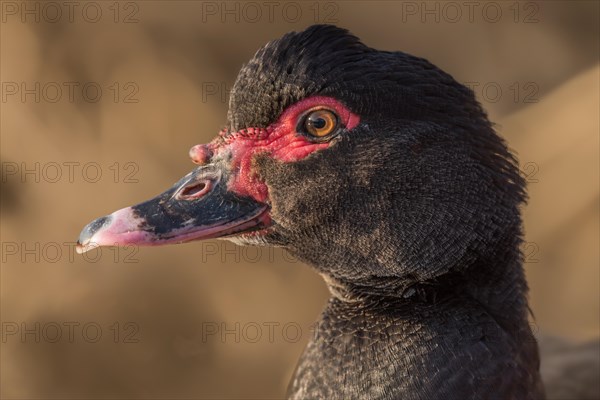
100, 103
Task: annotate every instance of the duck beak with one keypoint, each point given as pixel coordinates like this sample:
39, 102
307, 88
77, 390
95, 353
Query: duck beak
199, 206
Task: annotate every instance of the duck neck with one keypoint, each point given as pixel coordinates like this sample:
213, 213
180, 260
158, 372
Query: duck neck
495, 284
463, 333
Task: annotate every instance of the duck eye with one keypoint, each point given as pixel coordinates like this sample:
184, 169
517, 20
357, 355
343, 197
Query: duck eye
320, 123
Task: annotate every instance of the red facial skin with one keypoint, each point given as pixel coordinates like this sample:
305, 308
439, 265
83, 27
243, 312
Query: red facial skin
279, 140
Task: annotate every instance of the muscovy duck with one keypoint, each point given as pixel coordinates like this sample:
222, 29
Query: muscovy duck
384, 173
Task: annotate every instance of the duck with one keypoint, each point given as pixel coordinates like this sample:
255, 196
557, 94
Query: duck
383, 173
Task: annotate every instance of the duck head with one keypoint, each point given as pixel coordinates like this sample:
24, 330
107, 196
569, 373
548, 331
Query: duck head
376, 167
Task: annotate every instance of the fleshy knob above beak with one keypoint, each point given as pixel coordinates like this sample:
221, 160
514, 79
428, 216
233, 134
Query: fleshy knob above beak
200, 154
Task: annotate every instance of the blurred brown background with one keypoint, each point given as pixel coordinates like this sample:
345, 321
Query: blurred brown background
124, 89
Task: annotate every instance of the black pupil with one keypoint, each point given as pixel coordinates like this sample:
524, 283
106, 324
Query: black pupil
317, 122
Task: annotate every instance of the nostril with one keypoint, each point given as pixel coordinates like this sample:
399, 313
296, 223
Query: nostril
190, 191
194, 191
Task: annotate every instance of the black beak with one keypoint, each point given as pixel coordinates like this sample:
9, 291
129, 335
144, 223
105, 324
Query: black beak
199, 206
